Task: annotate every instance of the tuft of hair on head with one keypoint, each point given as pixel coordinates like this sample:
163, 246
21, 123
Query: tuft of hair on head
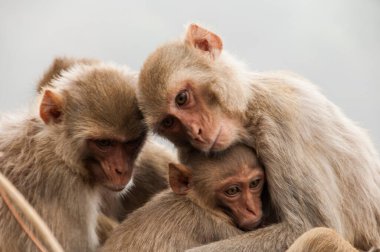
59, 65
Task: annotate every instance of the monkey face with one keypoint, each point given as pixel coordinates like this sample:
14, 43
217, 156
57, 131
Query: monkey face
182, 96
95, 113
111, 162
192, 118
240, 197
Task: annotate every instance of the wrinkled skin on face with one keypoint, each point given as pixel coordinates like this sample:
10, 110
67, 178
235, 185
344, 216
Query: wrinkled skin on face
111, 162
104, 128
229, 183
183, 96
240, 197
193, 119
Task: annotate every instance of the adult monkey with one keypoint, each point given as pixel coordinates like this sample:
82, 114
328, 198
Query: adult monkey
322, 170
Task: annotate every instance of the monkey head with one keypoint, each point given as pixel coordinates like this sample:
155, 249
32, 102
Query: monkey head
91, 113
189, 92
229, 183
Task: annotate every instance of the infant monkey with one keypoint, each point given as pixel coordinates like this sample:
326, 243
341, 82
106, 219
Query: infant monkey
212, 198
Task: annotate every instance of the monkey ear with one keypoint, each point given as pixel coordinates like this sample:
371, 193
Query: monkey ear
204, 40
59, 65
51, 107
179, 178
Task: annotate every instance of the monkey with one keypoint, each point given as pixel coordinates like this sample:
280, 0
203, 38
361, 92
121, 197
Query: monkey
321, 168
81, 139
149, 174
211, 198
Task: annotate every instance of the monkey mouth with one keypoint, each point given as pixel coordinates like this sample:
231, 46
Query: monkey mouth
114, 188
250, 226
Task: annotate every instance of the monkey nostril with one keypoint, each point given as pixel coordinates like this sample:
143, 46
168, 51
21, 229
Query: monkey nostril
118, 172
249, 210
200, 132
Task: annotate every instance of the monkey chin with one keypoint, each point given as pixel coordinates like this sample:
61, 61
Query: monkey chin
221, 141
249, 226
114, 188
211, 145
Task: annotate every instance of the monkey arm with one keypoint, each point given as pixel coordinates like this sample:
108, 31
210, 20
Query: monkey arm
274, 237
277, 237
321, 239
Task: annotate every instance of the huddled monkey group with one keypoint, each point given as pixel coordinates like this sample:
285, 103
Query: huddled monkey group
263, 161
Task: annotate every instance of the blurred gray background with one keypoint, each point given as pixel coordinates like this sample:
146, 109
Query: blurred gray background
334, 43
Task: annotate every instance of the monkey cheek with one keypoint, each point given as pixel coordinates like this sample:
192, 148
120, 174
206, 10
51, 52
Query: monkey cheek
110, 178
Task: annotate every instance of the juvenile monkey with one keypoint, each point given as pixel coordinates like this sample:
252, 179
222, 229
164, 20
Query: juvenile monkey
321, 169
209, 199
81, 140
150, 169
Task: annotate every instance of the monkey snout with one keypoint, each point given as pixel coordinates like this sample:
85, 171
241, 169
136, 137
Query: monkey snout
122, 172
118, 176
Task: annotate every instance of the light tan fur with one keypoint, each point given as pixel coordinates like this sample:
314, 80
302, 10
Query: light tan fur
45, 161
321, 239
321, 168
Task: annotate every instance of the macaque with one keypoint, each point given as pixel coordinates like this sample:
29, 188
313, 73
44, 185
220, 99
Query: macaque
150, 169
81, 140
321, 169
212, 198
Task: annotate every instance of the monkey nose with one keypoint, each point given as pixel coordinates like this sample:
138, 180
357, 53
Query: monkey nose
196, 133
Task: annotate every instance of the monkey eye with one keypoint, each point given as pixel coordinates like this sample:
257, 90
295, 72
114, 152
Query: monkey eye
232, 190
135, 142
182, 98
168, 122
255, 183
103, 143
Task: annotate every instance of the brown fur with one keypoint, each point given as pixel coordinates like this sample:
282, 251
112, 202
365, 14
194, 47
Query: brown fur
321, 169
104, 227
60, 65
150, 172
45, 159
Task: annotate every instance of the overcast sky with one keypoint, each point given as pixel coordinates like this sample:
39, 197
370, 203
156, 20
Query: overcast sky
334, 43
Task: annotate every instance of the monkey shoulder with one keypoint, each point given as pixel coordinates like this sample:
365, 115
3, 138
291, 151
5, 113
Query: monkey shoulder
169, 222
